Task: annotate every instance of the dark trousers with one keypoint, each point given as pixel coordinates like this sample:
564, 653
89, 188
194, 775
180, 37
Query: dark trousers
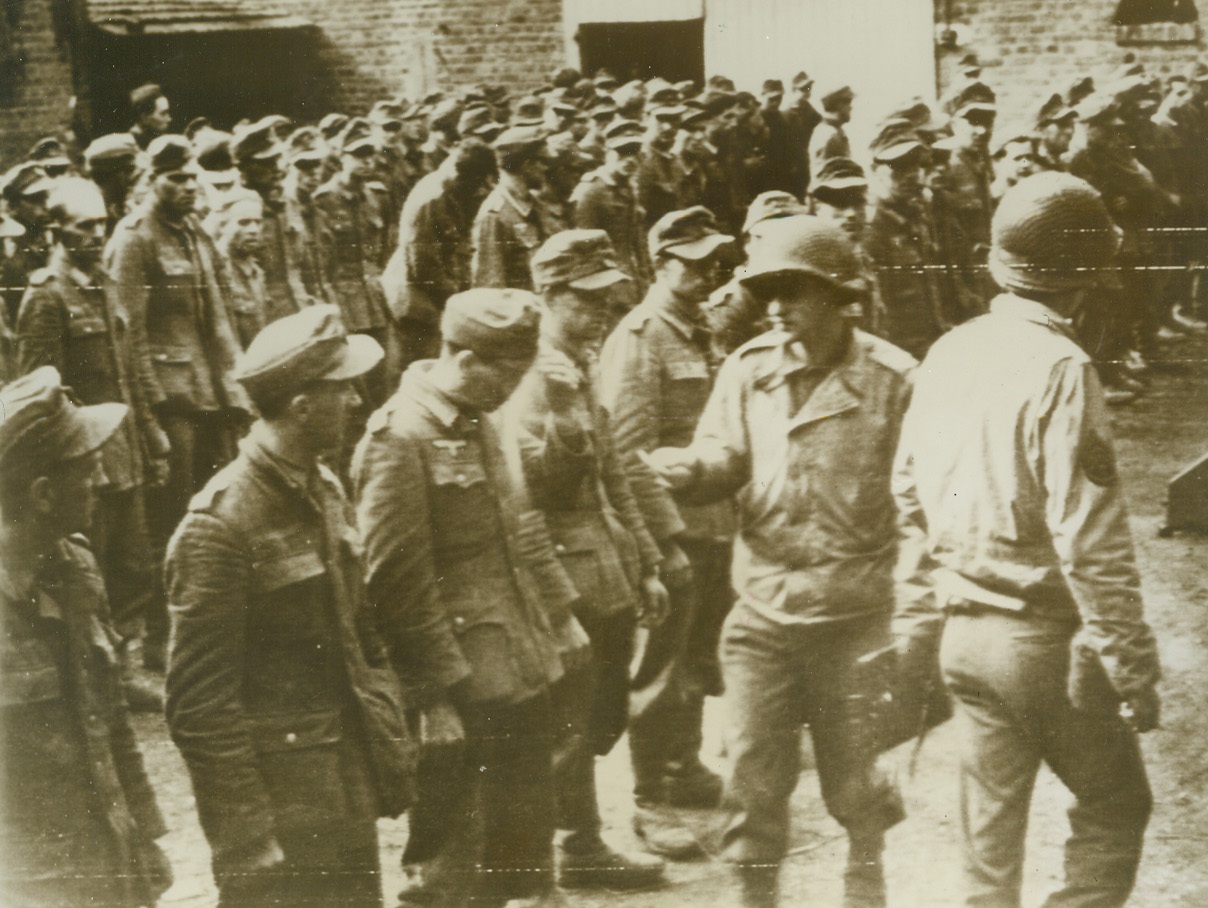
778, 678
123, 550
1009, 676
592, 708
327, 828
483, 825
679, 668
202, 442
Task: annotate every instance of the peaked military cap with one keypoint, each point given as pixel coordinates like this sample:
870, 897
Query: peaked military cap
579, 259
768, 206
690, 234
494, 323
42, 422
308, 346
623, 134
976, 96
170, 152
331, 124
896, 139
25, 179
357, 137
1054, 110
114, 146
255, 142
838, 175
834, 98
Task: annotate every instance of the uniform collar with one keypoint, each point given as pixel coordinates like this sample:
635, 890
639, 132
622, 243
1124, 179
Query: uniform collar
839, 390
296, 476
417, 386
61, 265
669, 308
524, 207
1012, 306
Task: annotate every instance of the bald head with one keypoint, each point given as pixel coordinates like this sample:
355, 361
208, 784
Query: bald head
80, 217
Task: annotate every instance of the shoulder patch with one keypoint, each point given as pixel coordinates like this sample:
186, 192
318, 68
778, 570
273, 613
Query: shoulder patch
886, 353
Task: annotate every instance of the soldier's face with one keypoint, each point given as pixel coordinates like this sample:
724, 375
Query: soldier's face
327, 413
579, 317
625, 160
1018, 161
69, 501
32, 210
487, 383
900, 179
308, 175
1057, 136
773, 99
82, 231
847, 213
661, 130
245, 234
974, 129
160, 119
693, 280
176, 191
803, 307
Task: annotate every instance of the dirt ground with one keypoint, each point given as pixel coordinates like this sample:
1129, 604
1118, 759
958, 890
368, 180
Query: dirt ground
1156, 436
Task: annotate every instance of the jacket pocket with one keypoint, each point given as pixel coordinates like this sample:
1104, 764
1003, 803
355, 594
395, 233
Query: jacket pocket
175, 371
299, 760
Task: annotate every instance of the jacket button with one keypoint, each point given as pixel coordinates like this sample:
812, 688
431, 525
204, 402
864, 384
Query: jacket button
291, 738
560, 549
461, 477
459, 621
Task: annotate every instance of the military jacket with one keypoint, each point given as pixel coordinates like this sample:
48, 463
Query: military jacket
657, 182
275, 663
432, 259
901, 246
657, 370
168, 278
22, 257
808, 453
67, 322
246, 291
507, 231
1006, 469
603, 203
582, 486
305, 260
280, 290
458, 560
353, 234
76, 798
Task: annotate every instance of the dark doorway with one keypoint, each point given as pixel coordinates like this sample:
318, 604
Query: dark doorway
224, 76
642, 50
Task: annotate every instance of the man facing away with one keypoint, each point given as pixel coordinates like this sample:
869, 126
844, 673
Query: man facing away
1006, 471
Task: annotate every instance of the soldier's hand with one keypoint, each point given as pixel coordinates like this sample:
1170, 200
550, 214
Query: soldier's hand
440, 727
578, 653
1142, 711
670, 465
562, 379
266, 856
655, 602
676, 569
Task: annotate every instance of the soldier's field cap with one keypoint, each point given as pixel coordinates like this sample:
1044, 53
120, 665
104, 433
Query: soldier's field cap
481, 122
1098, 107
579, 259
920, 114
835, 97
773, 86
256, 142
770, 205
660, 91
41, 422
602, 106
838, 175
196, 125
331, 125
516, 139
1054, 110
25, 179
1197, 71
694, 113
305, 144
807, 245
358, 137
111, 147
969, 66
493, 323
308, 346
690, 234
605, 79
623, 134
1081, 88
145, 93
977, 97
896, 139
802, 79
49, 152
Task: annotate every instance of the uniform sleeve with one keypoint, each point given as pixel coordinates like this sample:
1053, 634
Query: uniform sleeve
129, 282
41, 329
391, 492
489, 263
554, 466
913, 574
1089, 526
631, 391
621, 496
590, 212
720, 453
209, 571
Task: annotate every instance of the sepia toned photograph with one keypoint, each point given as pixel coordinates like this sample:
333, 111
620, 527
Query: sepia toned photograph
603, 454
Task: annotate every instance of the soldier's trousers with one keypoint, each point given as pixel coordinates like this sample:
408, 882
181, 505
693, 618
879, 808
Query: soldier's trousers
1009, 677
123, 550
592, 709
778, 678
679, 668
483, 824
202, 442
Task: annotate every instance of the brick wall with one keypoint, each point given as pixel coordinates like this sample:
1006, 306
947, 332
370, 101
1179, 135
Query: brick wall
1031, 48
37, 104
376, 48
